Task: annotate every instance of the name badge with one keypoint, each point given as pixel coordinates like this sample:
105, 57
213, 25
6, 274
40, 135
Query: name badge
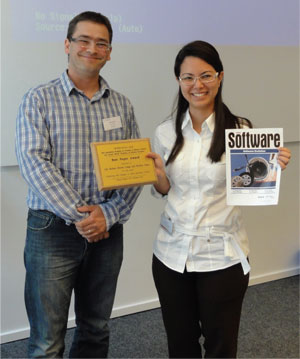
166, 223
112, 123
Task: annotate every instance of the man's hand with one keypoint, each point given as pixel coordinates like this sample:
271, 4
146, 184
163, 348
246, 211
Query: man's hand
93, 228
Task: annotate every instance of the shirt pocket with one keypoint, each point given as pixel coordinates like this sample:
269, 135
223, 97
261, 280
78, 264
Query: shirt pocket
176, 170
216, 174
216, 171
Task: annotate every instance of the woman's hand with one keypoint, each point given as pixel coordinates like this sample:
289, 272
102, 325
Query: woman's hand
284, 156
163, 184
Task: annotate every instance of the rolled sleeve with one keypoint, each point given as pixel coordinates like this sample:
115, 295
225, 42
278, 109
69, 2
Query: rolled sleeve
119, 207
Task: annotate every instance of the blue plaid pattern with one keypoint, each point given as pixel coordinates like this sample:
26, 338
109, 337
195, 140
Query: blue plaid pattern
55, 125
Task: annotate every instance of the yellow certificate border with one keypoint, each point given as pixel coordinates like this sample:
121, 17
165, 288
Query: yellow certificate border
123, 163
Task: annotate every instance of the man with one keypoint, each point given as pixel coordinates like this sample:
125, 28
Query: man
74, 231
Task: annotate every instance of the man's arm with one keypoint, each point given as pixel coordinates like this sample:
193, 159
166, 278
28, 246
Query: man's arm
118, 207
102, 217
34, 155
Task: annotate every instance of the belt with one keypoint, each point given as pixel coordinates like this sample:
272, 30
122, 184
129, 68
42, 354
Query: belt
231, 246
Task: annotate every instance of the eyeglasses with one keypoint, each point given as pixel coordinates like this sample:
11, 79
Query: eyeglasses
85, 43
205, 78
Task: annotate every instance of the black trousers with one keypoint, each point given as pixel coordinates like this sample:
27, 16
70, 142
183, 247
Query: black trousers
196, 304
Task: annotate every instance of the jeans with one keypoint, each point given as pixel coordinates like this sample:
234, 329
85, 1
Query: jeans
59, 260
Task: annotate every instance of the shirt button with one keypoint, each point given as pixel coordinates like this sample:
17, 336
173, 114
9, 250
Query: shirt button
208, 240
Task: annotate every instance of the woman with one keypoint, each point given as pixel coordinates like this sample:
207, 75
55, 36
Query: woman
200, 265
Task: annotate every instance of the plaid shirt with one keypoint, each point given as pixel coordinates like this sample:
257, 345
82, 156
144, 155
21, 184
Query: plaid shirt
55, 125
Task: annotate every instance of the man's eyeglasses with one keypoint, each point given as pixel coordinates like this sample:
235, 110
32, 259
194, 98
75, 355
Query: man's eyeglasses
205, 78
85, 43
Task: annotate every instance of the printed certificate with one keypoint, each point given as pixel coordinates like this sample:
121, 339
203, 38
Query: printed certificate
123, 163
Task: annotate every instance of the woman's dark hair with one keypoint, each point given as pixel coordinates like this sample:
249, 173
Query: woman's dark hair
223, 117
89, 16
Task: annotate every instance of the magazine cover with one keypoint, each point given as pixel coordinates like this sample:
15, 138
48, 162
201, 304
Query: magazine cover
252, 172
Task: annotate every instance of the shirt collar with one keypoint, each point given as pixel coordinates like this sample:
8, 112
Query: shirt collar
209, 122
104, 89
69, 86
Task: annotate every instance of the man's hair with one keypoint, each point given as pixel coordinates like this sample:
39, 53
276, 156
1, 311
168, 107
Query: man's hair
92, 16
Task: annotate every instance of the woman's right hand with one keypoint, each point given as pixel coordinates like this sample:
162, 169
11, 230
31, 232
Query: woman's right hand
163, 184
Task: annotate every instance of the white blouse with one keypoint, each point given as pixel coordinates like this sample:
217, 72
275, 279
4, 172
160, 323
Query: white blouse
198, 230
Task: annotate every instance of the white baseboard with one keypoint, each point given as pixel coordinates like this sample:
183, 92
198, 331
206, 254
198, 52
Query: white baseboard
148, 304
117, 312
127, 309
13, 335
268, 277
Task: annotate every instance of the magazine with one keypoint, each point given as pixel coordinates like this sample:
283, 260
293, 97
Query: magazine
252, 171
